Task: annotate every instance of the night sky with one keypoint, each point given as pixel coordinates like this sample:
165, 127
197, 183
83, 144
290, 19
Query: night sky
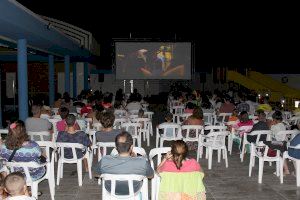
259, 42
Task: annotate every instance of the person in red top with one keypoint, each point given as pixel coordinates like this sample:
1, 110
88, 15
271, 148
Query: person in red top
226, 107
177, 161
88, 107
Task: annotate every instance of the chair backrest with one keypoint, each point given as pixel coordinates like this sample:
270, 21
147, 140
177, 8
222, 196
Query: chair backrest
176, 130
4, 132
208, 118
47, 145
118, 123
137, 150
54, 123
149, 114
223, 117
39, 135
143, 121
177, 110
198, 129
97, 126
289, 134
55, 111
73, 146
286, 115
113, 178
78, 110
133, 112
259, 134
132, 128
12, 166
215, 128
217, 139
158, 152
82, 124
120, 113
182, 117
56, 117
245, 129
104, 146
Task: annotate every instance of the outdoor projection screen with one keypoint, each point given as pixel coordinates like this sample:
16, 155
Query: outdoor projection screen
153, 60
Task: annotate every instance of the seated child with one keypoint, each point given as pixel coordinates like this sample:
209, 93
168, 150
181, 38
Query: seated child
169, 120
15, 186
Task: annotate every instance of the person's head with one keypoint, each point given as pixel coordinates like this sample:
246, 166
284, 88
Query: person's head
70, 120
179, 151
277, 116
141, 113
198, 113
190, 105
107, 119
124, 142
16, 135
259, 111
227, 99
262, 117
63, 112
169, 117
244, 117
235, 112
107, 98
15, 184
36, 111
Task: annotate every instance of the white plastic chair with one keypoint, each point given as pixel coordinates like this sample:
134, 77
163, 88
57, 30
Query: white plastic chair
134, 130
34, 184
260, 151
41, 135
120, 113
145, 128
136, 150
246, 130
61, 146
55, 110
54, 124
181, 118
4, 132
177, 111
104, 146
118, 123
255, 145
156, 152
215, 141
133, 112
287, 115
296, 163
97, 126
149, 114
199, 130
176, 133
113, 178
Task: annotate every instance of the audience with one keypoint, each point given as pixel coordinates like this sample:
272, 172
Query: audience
35, 123
259, 126
126, 162
62, 125
227, 106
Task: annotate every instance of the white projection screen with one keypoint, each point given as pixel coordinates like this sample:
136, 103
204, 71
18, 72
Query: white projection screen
153, 60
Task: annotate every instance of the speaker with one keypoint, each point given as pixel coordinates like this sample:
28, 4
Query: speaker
101, 78
202, 77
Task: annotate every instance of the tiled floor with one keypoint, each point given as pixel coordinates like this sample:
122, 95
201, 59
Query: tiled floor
221, 183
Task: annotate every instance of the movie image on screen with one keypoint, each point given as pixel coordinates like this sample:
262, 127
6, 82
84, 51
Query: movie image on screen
153, 60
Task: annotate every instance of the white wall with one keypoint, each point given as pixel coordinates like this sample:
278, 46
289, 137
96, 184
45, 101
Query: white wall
293, 79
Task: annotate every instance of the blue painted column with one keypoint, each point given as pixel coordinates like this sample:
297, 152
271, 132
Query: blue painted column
74, 80
67, 74
51, 80
22, 79
86, 76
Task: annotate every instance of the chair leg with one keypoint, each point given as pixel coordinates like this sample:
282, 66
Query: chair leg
198, 152
51, 186
219, 155
34, 190
157, 140
148, 138
250, 164
79, 172
243, 152
278, 168
206, 153
298, 173
260, 170
281, 169
225, 157
58, 172
161, 142
210, 154
89, 163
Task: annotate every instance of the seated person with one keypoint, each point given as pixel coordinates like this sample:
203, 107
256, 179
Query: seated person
18, 143
134, 103
107, 134
126, 162
45, 112
71, 135
168, 120
141, 113
243, 121
260, 125
295, 153
107, 100
35, 123
177, 161
234, 117
62, 125
15, 186
196, 118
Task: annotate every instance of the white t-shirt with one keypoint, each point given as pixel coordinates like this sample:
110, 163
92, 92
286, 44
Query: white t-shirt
134, 106
275, 129
22, 197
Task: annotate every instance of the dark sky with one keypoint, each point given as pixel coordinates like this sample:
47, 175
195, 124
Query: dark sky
218, 39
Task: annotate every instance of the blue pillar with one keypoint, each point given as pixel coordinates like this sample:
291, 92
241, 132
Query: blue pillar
22, 79
51, 80
74, 80
67, 74
86, 76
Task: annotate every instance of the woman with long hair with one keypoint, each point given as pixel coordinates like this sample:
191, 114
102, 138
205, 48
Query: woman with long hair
177, 161
22, 148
